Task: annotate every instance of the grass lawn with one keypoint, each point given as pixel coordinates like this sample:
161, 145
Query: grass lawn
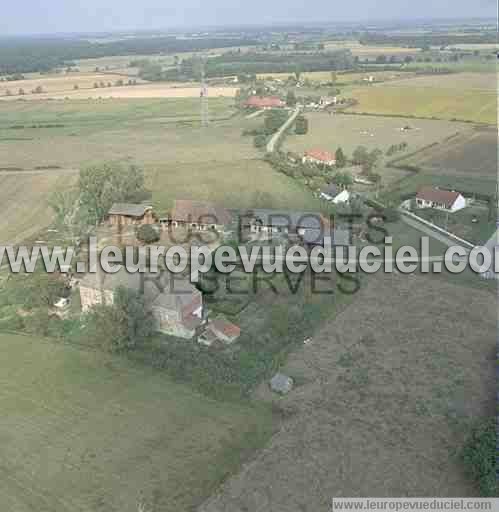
82, 431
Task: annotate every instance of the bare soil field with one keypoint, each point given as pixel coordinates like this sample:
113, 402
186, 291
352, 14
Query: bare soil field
83, 431
129, 92
23, 204
384, 393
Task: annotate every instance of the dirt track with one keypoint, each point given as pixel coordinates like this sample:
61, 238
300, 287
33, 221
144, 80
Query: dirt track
384, 392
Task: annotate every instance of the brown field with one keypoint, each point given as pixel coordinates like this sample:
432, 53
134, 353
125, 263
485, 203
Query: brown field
23, 201
55, 84
129, 92
472, 153
384, 395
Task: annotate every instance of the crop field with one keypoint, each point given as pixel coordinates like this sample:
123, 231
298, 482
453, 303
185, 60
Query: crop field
437, 97
23, 203
181, 158
84, 431
365, 419
342, 78
57, 84
124, 92
349, 131
367, 51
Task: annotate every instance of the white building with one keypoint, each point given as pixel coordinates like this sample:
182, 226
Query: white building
447, 200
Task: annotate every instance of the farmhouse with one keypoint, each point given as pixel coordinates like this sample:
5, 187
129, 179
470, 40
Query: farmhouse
122, 214
335, 194
281, 221
219, 329
430, 197
175, 304
264, 102
317, 156
199, 215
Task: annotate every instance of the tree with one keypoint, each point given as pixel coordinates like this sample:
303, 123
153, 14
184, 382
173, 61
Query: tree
290, 99
259, 141
360, 155
274, 119
297, 73
66, 206
147, 234
21, 92
334, 77
102, 185
76, 87
341, 160
343, 179
301, 125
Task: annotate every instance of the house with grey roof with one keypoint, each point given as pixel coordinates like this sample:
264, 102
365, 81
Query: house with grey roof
175, 304
124, 214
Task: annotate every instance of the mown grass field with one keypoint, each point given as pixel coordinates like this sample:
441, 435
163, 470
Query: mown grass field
23, 203
445, 97
349, 131
83, 432
181, 158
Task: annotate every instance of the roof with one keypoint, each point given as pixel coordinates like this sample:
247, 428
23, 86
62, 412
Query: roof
225, 327
331, 190
284, 218
264, 101
129, 209
281, 383
160, 289
319, 154
436, 195
202, 212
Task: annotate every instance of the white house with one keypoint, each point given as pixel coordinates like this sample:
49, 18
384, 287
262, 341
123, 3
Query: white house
432, 197
335, 194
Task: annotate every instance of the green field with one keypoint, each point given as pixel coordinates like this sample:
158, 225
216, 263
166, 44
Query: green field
442, 97
181, 158
82, 431
329, 132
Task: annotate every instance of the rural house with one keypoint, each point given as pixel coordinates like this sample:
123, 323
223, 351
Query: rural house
175, 304
432, 197
123, 214
219, 329
335, 194
317, 156
264, 102
199, 215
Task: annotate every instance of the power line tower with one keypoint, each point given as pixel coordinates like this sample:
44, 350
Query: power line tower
205, 112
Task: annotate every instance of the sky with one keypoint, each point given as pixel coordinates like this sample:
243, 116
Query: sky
63, 16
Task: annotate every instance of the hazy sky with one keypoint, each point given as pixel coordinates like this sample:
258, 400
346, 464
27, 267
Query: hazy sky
49, 16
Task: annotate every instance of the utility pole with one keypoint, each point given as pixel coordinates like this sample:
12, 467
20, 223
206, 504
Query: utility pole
205, 113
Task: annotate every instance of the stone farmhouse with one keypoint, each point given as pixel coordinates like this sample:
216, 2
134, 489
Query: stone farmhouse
447, 200
175, 304
126, 214
199, 215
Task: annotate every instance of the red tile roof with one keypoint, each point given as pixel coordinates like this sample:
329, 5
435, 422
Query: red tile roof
323, 156
264, 102
436, 195
226, 327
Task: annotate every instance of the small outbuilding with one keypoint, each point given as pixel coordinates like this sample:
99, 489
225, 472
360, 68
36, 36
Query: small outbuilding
281, 384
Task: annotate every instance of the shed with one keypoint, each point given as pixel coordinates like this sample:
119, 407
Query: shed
281, 383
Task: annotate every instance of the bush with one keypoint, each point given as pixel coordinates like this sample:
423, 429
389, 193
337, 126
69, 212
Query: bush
301, 126
391, 215
479, 456
147, 234
260, 141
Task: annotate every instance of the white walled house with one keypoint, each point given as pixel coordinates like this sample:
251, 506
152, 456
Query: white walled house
317, 156
447, 200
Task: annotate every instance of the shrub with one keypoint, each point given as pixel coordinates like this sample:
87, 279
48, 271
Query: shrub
479, 456
147, 234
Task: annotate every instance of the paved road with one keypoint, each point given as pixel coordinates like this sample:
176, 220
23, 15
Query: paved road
255, 114
275, 138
